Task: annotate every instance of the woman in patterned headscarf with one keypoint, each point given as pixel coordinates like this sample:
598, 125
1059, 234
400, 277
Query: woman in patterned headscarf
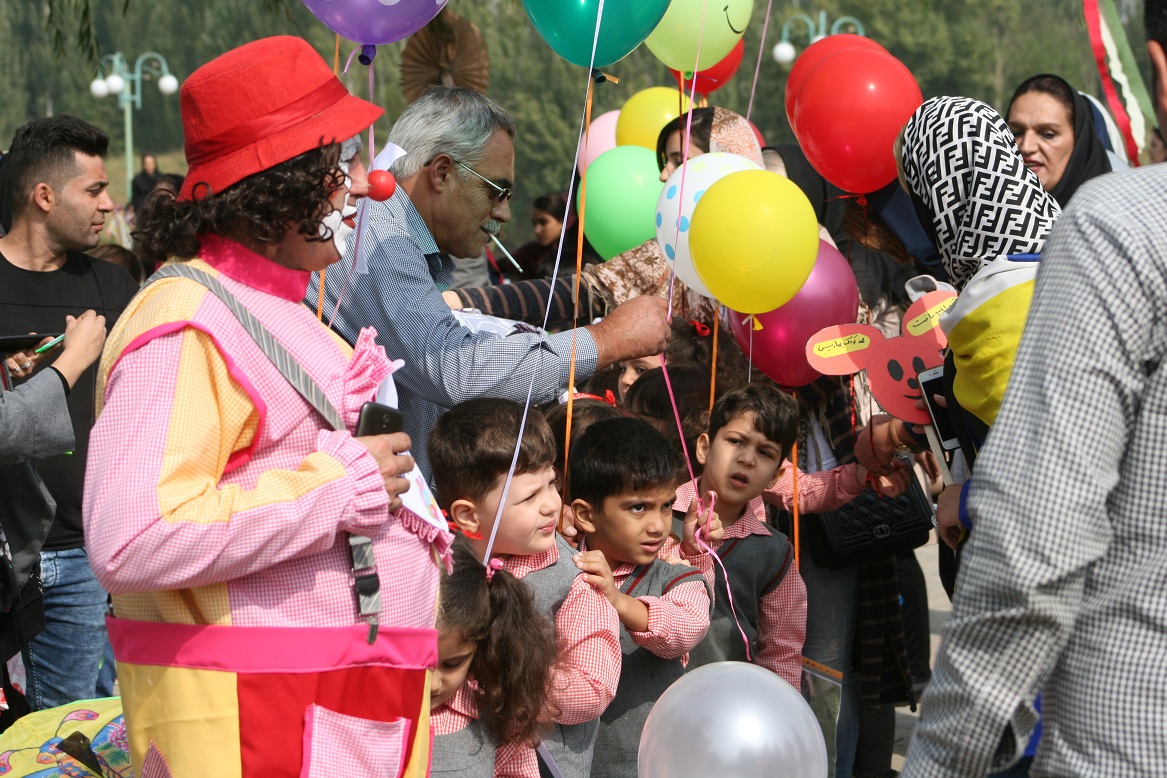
971, 188
988, 216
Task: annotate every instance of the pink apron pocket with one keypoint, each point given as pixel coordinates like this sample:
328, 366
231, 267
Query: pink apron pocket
337, 745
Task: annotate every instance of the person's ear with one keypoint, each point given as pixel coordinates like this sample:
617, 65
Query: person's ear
1159, 77
465, 516
702, 447
440, 172
43, 197
777, 474
585, 516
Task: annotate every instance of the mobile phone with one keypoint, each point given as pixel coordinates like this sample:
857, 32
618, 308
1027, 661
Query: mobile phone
378, 419
9, 343
931, 383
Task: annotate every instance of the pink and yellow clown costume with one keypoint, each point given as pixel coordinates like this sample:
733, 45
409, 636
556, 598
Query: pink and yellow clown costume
218, 502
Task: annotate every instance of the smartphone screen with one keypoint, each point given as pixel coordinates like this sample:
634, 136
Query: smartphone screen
932, 383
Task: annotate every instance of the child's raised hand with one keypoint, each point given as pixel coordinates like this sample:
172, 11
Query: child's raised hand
896, 482
709, 520
597, 573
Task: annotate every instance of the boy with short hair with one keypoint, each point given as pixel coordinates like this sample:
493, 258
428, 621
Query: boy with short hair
623, 476
752, 430
470, 450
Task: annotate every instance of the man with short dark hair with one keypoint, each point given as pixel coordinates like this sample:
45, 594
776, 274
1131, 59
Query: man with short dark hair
455, 184
1063, 583
57, 185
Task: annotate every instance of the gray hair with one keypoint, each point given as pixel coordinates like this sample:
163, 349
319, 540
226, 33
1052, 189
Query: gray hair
447, 120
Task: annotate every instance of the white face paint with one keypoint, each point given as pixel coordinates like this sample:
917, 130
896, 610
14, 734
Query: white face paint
335, 222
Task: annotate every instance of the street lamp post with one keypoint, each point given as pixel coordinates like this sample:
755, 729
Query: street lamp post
116, 78
784, 51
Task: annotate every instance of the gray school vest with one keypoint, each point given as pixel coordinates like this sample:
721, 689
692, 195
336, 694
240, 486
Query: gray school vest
644, 676
756, 565
569, 745
468, 752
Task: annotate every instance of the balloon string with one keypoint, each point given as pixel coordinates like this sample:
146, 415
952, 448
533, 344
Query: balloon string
708, 549
750, 356
361, 208
583, 205
713, 361
323, 273
684, 158
700, 506
758, 66
797, 529
547, 315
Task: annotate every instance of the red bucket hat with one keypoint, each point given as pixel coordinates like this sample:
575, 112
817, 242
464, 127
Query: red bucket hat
259, 105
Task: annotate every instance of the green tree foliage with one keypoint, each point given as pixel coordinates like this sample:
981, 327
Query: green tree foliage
980, 48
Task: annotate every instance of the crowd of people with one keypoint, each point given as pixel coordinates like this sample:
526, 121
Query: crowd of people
555, 526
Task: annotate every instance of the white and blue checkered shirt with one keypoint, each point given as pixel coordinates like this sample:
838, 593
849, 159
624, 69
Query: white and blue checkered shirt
445, 363
1063, 584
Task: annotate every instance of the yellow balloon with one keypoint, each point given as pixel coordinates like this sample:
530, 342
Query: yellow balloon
646, 112
753, 240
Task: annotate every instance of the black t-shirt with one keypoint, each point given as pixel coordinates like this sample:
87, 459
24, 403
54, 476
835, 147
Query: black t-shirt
32, 301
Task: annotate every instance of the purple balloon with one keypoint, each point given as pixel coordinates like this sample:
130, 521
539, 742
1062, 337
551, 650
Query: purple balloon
375, 21
830, 296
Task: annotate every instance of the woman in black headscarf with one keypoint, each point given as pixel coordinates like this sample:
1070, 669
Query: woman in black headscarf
1054, 128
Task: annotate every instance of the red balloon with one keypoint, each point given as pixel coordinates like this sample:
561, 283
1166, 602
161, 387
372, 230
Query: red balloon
757, 133
849, 111
815, 53
716, 76
382, 184
829, 296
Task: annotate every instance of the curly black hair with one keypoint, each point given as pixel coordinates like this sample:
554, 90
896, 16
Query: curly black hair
261, 208
515, 645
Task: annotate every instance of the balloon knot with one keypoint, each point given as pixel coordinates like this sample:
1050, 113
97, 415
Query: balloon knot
600, 77
368, 51
861, 201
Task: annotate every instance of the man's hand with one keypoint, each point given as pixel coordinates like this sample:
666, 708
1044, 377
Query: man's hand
708, 523
387, 451
638, 328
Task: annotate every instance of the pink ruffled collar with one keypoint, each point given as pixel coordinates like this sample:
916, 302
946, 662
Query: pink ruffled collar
240, 263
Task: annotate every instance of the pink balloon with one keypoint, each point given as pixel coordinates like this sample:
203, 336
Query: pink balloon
601, 138
830, 296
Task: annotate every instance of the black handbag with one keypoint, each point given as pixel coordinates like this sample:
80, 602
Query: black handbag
871, 525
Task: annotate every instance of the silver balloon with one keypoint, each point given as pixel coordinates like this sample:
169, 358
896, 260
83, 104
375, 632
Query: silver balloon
731, 719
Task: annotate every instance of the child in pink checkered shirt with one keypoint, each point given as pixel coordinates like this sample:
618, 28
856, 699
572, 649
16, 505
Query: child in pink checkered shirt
471, 450
495, 654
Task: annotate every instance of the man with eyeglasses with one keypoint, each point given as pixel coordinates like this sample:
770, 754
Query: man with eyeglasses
453, 194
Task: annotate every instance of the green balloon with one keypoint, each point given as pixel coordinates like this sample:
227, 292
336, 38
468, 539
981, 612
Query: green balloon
675, 40
623, 185
569, 26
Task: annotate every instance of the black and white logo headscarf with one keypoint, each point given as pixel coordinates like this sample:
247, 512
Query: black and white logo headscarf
964, 171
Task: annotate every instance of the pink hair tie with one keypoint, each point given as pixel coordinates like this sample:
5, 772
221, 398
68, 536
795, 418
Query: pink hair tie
492, 566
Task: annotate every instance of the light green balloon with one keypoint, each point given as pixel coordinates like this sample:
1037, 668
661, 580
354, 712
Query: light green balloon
675, 40
623, 185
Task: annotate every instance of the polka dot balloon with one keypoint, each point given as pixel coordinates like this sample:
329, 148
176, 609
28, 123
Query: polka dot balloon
674, 213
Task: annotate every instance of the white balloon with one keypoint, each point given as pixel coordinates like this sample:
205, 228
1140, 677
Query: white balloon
674, 208
731, 719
